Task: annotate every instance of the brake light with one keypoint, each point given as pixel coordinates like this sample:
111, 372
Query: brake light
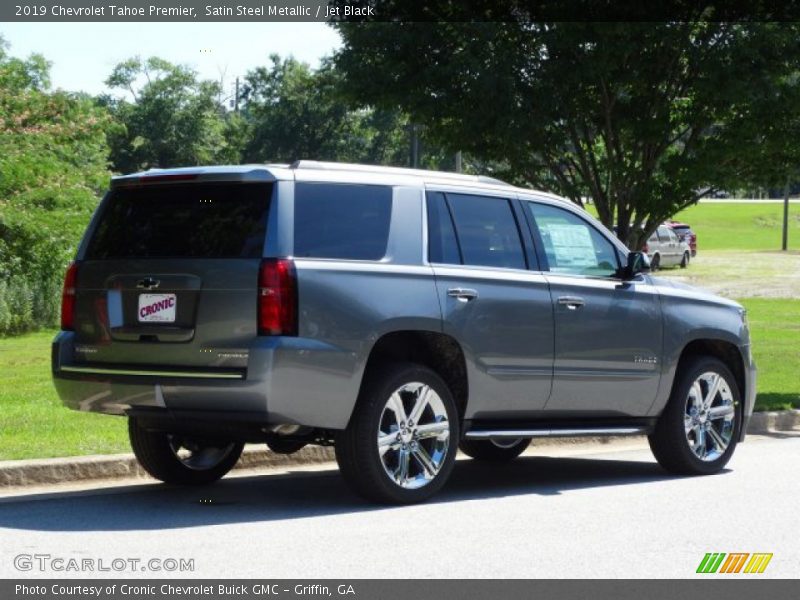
68, 298
277, 297
169, 177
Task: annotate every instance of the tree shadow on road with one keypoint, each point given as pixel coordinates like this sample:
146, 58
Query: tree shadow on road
302, 494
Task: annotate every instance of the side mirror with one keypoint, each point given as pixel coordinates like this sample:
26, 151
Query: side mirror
637, 263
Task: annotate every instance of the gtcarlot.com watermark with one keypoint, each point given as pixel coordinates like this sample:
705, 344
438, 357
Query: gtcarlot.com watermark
61, 564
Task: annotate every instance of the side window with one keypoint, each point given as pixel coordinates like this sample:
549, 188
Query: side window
571, 244
341, 221
663, 234
487, 231
442, 243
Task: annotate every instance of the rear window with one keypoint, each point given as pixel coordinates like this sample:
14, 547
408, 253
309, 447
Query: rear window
341, 220
197, 220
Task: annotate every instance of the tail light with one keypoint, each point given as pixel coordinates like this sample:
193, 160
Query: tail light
277, 297
68, 298
646, 248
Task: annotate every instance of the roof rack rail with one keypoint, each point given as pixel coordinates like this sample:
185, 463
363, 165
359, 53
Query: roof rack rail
336, 166
493, 180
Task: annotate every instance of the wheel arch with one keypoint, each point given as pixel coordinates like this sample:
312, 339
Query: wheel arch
725, 351
438, 351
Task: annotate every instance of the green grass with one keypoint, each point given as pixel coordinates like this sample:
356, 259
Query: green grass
775, 334
734, 226
33, 424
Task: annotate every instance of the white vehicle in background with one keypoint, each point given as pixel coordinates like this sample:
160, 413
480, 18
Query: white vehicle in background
665, 249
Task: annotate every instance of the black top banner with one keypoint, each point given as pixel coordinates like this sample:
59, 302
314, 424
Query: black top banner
398, 10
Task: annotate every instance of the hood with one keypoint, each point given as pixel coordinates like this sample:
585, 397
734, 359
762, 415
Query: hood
670, 287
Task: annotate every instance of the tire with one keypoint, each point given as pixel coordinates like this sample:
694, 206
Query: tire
494, 450
181, 461
419, 456
685, 260
682, 440
655, 264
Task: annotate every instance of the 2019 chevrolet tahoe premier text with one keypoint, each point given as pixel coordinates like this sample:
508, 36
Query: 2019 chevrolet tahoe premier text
396, 314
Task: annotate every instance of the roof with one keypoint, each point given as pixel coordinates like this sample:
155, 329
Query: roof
311, 169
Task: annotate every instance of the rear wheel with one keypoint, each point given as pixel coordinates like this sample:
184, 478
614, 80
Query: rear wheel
698, 430
655, 263
181, 460
685, 260
400, 444
500, 450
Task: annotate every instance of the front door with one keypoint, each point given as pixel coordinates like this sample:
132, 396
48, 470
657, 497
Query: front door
608, 332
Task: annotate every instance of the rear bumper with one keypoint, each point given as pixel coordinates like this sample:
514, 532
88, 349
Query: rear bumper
287, 380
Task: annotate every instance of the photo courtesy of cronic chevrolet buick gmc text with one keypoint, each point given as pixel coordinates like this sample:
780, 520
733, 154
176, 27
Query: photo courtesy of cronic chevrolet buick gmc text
396, 314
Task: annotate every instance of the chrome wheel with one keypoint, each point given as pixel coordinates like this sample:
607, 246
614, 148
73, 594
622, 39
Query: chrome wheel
198, 457
709, 416
413, 435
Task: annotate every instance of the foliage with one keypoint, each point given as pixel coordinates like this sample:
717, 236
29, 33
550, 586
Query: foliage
53, 166
295, 112
643, 117
175, 119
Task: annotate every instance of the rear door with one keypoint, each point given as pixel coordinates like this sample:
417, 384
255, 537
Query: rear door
169, 276
608, 332
498, 309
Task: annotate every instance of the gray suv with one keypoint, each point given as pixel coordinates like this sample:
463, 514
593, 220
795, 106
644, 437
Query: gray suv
398, 315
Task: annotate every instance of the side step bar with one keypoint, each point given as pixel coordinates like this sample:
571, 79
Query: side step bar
485, 434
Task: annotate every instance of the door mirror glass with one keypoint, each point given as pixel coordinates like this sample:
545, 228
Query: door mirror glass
637, 263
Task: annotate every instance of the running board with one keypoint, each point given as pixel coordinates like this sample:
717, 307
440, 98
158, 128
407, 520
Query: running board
485, 434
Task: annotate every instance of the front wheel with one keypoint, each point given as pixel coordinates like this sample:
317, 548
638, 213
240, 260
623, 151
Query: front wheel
698, 430
500, 450
400, 445
685, 260
181, 460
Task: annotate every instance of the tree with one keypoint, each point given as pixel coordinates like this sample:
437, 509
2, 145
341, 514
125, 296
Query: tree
174, 119
53, 166
644, 118
295, 112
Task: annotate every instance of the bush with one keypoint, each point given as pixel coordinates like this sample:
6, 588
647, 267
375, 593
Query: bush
27, 304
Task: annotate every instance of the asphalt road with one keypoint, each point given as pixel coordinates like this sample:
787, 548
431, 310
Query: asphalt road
596, 512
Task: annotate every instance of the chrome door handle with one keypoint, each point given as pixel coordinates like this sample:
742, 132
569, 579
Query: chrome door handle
462, 294
571, 302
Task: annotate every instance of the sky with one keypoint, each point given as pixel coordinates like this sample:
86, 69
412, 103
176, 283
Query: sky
83, 54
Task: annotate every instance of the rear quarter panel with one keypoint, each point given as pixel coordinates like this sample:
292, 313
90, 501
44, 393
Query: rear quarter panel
345, 306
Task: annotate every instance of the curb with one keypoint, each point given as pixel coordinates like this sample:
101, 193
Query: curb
774, 421
47, 471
